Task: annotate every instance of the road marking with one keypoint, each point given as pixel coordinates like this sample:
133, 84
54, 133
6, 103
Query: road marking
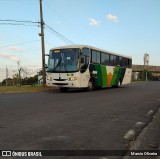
150, 113
129, 134
139, 124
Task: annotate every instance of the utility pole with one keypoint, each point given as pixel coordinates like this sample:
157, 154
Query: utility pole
6, 76
42, 42
19, 74
146, 76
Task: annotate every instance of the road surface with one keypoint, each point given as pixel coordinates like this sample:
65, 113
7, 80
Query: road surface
106, 119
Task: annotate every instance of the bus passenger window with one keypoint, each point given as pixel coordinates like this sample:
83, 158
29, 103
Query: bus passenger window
104, 59
98, 57
95, 56
120, 61
113, 60
130, 63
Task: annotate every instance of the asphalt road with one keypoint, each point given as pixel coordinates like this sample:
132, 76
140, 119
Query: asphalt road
106, 119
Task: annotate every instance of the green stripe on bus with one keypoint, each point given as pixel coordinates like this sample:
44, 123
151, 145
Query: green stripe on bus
102, 77
118, 74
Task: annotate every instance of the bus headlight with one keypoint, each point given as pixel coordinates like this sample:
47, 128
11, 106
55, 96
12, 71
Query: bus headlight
49, 78
73, 78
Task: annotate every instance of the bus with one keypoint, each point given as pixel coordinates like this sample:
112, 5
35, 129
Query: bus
87, 67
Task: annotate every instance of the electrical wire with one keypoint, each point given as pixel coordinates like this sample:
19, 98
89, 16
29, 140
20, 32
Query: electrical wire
19, 43
32, 23
74, 27
59, 35
18, 21
9, 23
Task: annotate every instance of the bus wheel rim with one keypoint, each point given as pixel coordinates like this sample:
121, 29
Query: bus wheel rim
90, 85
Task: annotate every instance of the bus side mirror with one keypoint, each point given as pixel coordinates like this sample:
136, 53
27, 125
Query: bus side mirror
45, 66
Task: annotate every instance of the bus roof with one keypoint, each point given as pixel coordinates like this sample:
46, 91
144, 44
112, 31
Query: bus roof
91, 47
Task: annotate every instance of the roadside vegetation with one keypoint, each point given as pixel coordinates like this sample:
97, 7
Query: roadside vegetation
23, 89
146, 75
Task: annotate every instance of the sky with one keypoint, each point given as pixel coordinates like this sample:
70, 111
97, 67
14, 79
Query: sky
127, 27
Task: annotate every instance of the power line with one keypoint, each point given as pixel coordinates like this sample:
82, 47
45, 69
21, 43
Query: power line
19, 43
9, 23
59, 35
32, 23
18, 21
81, 34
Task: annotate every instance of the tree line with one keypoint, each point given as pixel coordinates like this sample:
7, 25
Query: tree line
20, 81
17, 80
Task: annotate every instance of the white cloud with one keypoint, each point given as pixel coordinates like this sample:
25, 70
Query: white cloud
112, 18
93, 22
14, 48
7, 56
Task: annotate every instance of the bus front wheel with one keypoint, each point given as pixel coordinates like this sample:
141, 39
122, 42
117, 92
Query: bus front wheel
91, 85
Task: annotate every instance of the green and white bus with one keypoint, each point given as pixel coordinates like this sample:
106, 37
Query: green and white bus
83, 66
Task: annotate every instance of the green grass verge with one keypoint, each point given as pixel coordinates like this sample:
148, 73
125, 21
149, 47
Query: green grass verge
25, 89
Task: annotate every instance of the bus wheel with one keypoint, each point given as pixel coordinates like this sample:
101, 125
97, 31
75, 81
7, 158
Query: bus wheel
63, 89
91, 86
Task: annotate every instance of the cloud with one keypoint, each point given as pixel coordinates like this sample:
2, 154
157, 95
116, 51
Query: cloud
7, 56
14, 48
112, 18
93, 22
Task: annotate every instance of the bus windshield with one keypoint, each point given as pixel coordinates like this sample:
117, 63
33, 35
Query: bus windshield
63, 60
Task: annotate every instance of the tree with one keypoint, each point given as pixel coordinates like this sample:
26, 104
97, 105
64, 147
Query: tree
145, 74
9, 82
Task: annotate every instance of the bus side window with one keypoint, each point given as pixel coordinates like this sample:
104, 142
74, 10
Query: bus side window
129, 63
113, 60
95, 56
105, 58
120, 61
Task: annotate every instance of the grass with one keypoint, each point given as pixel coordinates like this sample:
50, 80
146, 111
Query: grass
23, 89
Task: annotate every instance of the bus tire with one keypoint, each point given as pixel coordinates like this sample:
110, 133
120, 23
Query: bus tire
63, 89
91, 85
